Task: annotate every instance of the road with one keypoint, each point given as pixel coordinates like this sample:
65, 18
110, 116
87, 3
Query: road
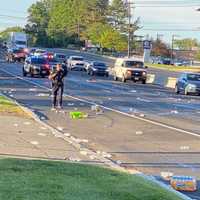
145, 127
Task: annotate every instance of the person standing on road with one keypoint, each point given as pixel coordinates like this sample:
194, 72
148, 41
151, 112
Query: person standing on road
57, 77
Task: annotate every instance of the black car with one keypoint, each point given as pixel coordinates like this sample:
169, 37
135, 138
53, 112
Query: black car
188, 83
98, 68
36, 66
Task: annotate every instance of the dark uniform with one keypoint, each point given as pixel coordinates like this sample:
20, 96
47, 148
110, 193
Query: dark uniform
57, 78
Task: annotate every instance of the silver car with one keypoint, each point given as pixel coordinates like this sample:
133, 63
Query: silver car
188, 83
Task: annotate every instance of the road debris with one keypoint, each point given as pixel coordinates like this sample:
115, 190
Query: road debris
166, 175
184, 183
78, 115
34, 142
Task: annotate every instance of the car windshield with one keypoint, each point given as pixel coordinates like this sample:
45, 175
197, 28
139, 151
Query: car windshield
193, 77
39, 61
21, 42
18, 51
77, 58
99, 64
61, 56
134, 64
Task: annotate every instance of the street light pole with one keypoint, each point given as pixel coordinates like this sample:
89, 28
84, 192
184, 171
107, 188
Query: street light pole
129, 29
129, 3
172, 50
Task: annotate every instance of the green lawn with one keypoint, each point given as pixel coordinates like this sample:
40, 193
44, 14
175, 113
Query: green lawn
9, 107
174, 68
44, 180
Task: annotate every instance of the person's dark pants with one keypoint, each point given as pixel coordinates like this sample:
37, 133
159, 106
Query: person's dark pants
57, 92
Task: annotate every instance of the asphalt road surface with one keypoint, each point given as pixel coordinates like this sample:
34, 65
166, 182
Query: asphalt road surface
146, 127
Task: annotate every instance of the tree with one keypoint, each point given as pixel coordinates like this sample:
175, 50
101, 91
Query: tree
107, 37
118, 14
38, 21
159, 48
186, 44
5, 33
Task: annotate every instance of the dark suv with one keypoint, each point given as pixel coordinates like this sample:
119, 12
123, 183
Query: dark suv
36, 66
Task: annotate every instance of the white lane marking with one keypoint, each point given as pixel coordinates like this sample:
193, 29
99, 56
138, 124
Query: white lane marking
111, 109
143, 100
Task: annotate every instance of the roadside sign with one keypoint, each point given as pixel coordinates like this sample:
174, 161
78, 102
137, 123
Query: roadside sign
147, 44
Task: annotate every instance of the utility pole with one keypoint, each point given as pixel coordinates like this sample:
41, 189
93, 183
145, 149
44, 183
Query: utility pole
172, 50
129, 8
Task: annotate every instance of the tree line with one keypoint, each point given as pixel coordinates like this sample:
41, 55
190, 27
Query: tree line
59, 23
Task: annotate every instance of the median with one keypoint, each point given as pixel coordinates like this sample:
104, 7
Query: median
175, 68
28, 179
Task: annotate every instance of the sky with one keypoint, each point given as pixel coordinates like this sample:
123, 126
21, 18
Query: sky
163, 17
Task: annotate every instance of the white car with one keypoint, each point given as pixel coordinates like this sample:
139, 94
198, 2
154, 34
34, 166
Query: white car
76, 63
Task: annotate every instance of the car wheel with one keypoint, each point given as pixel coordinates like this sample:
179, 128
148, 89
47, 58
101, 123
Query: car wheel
123, 79
186, 92
177, 90
31, 73
144, 81
24, 72
115, 78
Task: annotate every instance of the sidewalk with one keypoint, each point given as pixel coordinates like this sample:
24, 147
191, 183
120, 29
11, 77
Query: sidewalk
24, 137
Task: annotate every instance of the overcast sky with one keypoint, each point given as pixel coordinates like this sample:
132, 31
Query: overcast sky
174, 15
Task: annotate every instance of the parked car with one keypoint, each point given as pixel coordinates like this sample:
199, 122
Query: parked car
98, 68
130, 69
14, 55
188, 83
76, 63
36, 66
62, 58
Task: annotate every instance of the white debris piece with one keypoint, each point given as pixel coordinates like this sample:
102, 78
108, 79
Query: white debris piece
11, 95
27, 123
42, 118
43, 128
32, 89
119, 162
34, 142
42, 95
167, 175
92, 157
133, 91
142, 115
60, 128
42, 134
74, 159
174, 111
16, 125
85, 153
84, 141
109, 98
70, 104
184, 148
139, 133
67, 134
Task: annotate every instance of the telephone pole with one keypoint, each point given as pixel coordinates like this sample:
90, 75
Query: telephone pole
129, 9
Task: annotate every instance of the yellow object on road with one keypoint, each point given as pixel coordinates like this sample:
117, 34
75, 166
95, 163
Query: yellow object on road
78, 115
